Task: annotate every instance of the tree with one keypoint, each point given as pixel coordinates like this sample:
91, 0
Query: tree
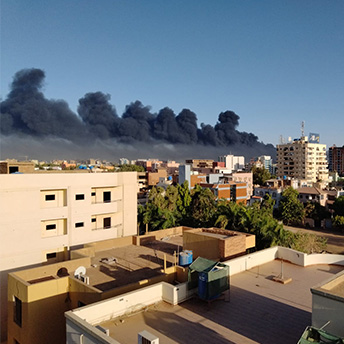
338, 206
183, 201
202, 207
260, 175
129, 168
338, 222
290, 209
268, 204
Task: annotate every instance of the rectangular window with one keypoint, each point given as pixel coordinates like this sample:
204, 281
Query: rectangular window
79, 224
50, 227
50, 197
79, 197
17, 311
107, 222
51, 255
93, 219
93, 194
107, 196
13, 169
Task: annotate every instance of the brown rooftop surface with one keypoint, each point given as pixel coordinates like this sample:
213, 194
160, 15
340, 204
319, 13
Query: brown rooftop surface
129, 264
260, 311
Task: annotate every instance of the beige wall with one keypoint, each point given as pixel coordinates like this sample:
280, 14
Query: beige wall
25, 213
201, 246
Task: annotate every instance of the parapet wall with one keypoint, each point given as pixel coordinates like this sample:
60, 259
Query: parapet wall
252, 260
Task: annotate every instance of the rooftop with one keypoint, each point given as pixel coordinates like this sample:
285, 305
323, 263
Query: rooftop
260, 310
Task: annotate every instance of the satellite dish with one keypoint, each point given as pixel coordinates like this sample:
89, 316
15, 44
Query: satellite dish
62, 272
81, 270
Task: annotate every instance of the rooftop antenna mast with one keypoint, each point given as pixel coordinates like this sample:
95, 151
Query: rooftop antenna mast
302, 129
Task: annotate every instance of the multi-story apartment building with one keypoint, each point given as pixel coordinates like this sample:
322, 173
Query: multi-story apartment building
336, 160
232, 162
231, 191
302, 159
43, 215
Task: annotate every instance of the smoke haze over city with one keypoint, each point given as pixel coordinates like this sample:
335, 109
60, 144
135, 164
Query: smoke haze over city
36, 126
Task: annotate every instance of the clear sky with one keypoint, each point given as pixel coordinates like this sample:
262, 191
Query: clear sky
275, 63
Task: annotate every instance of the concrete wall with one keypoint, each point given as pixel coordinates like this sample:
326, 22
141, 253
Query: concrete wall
25, 214
201, 245
80, 322
252, 260
43, 303
325, 309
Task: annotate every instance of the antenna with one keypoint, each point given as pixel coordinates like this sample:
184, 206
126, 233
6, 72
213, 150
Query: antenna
302, 129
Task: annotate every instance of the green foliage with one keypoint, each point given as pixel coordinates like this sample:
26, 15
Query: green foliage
308, 243
184, 199
338, 222
268, 204
202, 206
316, 211
338, 206
130, 168
290, 209
260, 175
177, 206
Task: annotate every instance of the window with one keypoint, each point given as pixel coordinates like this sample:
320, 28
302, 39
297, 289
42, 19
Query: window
93, 194
13, 169
107, 196
51, 255
50, 197
17, 311
50, 227
79, 197
107, 222
79, 224
93, 219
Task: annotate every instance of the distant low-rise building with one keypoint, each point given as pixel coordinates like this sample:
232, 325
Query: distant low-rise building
14, 166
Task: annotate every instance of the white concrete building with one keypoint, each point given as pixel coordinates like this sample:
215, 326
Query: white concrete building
302, 159
43, 215
233, 163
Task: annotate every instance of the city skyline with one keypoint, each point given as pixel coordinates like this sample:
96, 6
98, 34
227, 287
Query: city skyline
274, 64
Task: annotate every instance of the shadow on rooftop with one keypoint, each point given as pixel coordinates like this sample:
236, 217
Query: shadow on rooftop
123, 276
182, 330
163, 246
253, 316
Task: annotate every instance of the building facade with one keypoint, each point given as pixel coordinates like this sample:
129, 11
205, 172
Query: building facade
43, 215
302, 159
336, 160
233, 163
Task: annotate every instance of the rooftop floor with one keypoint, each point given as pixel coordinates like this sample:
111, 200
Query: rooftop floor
260, 311
124, 265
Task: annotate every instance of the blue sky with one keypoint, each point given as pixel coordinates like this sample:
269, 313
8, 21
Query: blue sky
275, 63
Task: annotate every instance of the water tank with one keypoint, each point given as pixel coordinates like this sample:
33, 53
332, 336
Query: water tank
203, 285
185, 258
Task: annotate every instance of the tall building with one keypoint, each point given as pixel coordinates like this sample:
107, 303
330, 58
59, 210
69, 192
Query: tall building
232, 162
266, 161
336, 159
303, 159
43, 215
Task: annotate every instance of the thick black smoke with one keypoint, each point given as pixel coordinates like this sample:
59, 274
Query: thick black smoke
26, 111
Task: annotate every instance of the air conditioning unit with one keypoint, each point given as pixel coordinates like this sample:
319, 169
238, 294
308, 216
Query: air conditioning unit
103, 329
85, 279
147, 338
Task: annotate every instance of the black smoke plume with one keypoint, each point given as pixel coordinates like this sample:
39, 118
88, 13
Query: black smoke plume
27, 113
